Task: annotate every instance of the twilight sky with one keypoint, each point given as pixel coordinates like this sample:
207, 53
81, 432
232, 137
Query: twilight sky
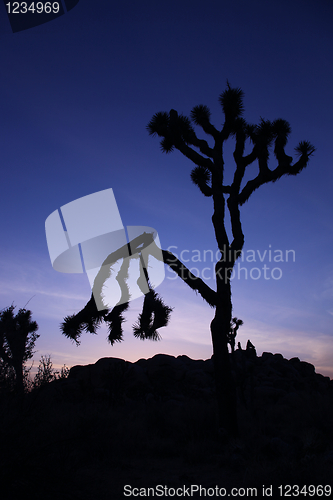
76, 96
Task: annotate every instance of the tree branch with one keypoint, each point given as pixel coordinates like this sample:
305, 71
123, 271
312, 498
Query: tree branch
201, 115
251, 157
267, 175
176, 265
203, 146
192, 281
193, 155
182, 134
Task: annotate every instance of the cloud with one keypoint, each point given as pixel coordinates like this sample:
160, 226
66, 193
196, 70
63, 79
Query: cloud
325, 286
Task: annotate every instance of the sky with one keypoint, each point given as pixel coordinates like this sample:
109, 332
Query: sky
76, 95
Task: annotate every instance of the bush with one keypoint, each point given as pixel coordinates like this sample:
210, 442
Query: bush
47, 374
7, 377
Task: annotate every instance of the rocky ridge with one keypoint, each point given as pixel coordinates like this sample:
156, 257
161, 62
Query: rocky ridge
266, 379
153, 422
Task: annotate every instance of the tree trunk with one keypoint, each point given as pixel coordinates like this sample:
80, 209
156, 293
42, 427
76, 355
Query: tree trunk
224, 381
19, 385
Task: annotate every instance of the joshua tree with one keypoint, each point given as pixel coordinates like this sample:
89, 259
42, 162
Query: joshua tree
17, 341
177, 132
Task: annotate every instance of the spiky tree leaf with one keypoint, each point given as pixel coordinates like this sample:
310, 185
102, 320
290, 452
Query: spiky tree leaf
200, 175
264, 132
200, 115
250, 131
141, 329
155, 314
281, 128
183, 129
167, 145
172, 127
263, 137
305, 148
159, 124
92, 324
87, 320
239, 125
72, 328
162, 314
231, 101
115, 320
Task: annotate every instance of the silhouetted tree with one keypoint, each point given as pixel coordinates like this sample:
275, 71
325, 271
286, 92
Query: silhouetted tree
17, 341
177, 132
208, 174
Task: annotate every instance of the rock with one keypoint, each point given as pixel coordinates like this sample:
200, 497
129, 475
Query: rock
279, 447
198, 378
263, 382
165, 368
136, 381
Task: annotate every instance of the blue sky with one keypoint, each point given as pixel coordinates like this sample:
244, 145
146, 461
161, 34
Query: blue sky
76, 96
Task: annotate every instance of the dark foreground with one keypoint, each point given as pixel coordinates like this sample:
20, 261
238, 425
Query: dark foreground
152, 424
